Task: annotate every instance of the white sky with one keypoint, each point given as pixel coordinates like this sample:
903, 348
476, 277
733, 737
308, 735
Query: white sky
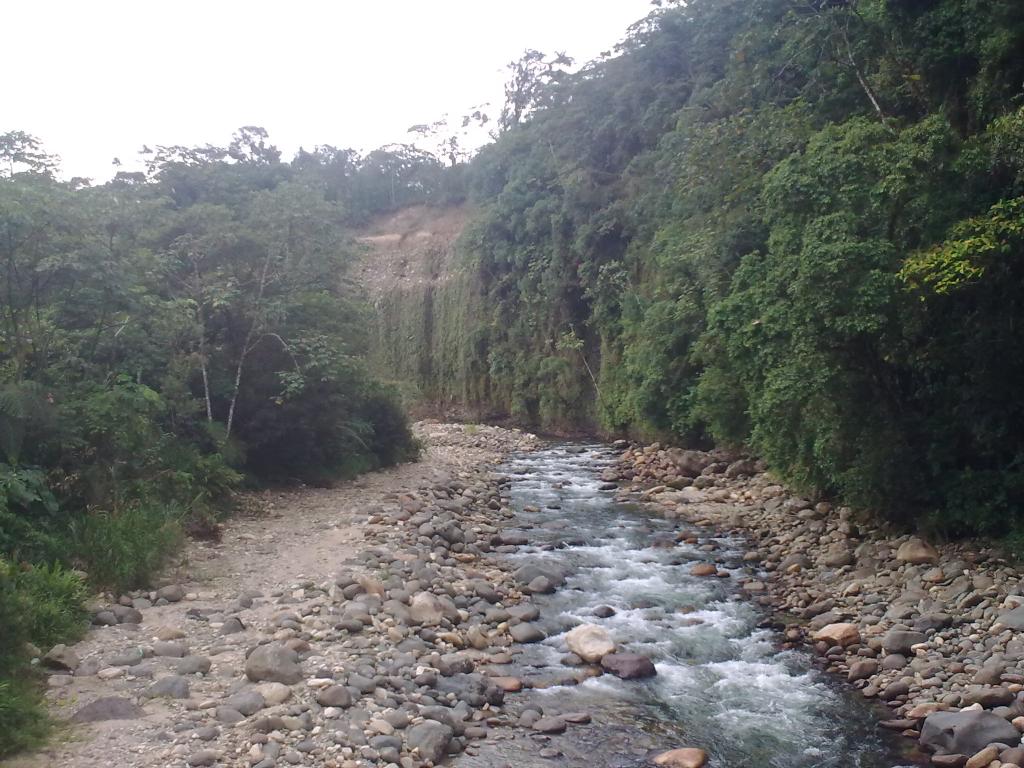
95, 80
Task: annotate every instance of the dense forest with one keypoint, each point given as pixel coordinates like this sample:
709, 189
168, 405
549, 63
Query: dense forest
790, 225
165, 339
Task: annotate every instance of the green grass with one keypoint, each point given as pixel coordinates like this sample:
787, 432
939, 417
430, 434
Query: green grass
123, 550
53, 601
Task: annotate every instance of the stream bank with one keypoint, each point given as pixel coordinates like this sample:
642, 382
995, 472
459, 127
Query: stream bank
933, 633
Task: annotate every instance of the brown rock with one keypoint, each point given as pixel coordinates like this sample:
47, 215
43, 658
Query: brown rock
861, 670
917, 552
1013, 756
704, 569
508, 684
841, 634
687, 757
628, 666
983, 758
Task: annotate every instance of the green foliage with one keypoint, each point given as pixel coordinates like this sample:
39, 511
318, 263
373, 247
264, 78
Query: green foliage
122, 550
54, 599
167, 333
795, 226
36, 605
162, 337
23, 722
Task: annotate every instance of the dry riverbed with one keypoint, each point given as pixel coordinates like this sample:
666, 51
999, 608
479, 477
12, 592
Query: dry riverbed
339, 627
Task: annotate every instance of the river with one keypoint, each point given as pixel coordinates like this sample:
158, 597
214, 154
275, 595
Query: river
723, 684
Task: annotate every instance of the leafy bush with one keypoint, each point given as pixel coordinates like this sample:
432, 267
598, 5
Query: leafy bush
53, 600
31, 523
23, 721
125, 549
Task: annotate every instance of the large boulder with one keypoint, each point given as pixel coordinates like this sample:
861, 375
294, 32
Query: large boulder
273, 663
966, 732
590, 642
917, 552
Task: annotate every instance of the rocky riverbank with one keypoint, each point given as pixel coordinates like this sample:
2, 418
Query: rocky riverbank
934, 633
340, 628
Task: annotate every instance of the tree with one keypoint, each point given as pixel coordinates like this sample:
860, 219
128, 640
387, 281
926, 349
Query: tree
20, 151
530, 78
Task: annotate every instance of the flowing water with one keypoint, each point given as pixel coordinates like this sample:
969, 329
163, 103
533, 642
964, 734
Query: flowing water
723, 684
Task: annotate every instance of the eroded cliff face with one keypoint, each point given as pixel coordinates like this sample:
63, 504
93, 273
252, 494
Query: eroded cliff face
426, 303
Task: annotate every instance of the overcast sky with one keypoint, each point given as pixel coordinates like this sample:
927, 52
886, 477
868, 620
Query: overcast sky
95, 80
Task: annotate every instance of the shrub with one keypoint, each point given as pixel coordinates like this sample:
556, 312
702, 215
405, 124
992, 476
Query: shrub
53, 604
123, 549
23, 723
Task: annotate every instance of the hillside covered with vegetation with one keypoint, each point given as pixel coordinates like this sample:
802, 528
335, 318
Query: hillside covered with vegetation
795, 225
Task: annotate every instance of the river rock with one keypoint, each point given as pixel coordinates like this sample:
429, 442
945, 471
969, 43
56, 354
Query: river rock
170, 687
842, 634
590, 642
527, 573
193, 665
861, 670
1013, 619
687, 757
274, 663
173, 593
525, 632
549, 725
988, 696
170, 648
429, 739
901, 641
334, 696
917, 552
109, 708
689, 463
203, 758
983, 758
966, 732
426, 609
1014, 756
61, 657
247, 702
704, 569
628, 666
274, 693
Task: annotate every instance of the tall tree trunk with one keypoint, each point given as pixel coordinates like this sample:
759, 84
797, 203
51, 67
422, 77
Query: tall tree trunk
247, 347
